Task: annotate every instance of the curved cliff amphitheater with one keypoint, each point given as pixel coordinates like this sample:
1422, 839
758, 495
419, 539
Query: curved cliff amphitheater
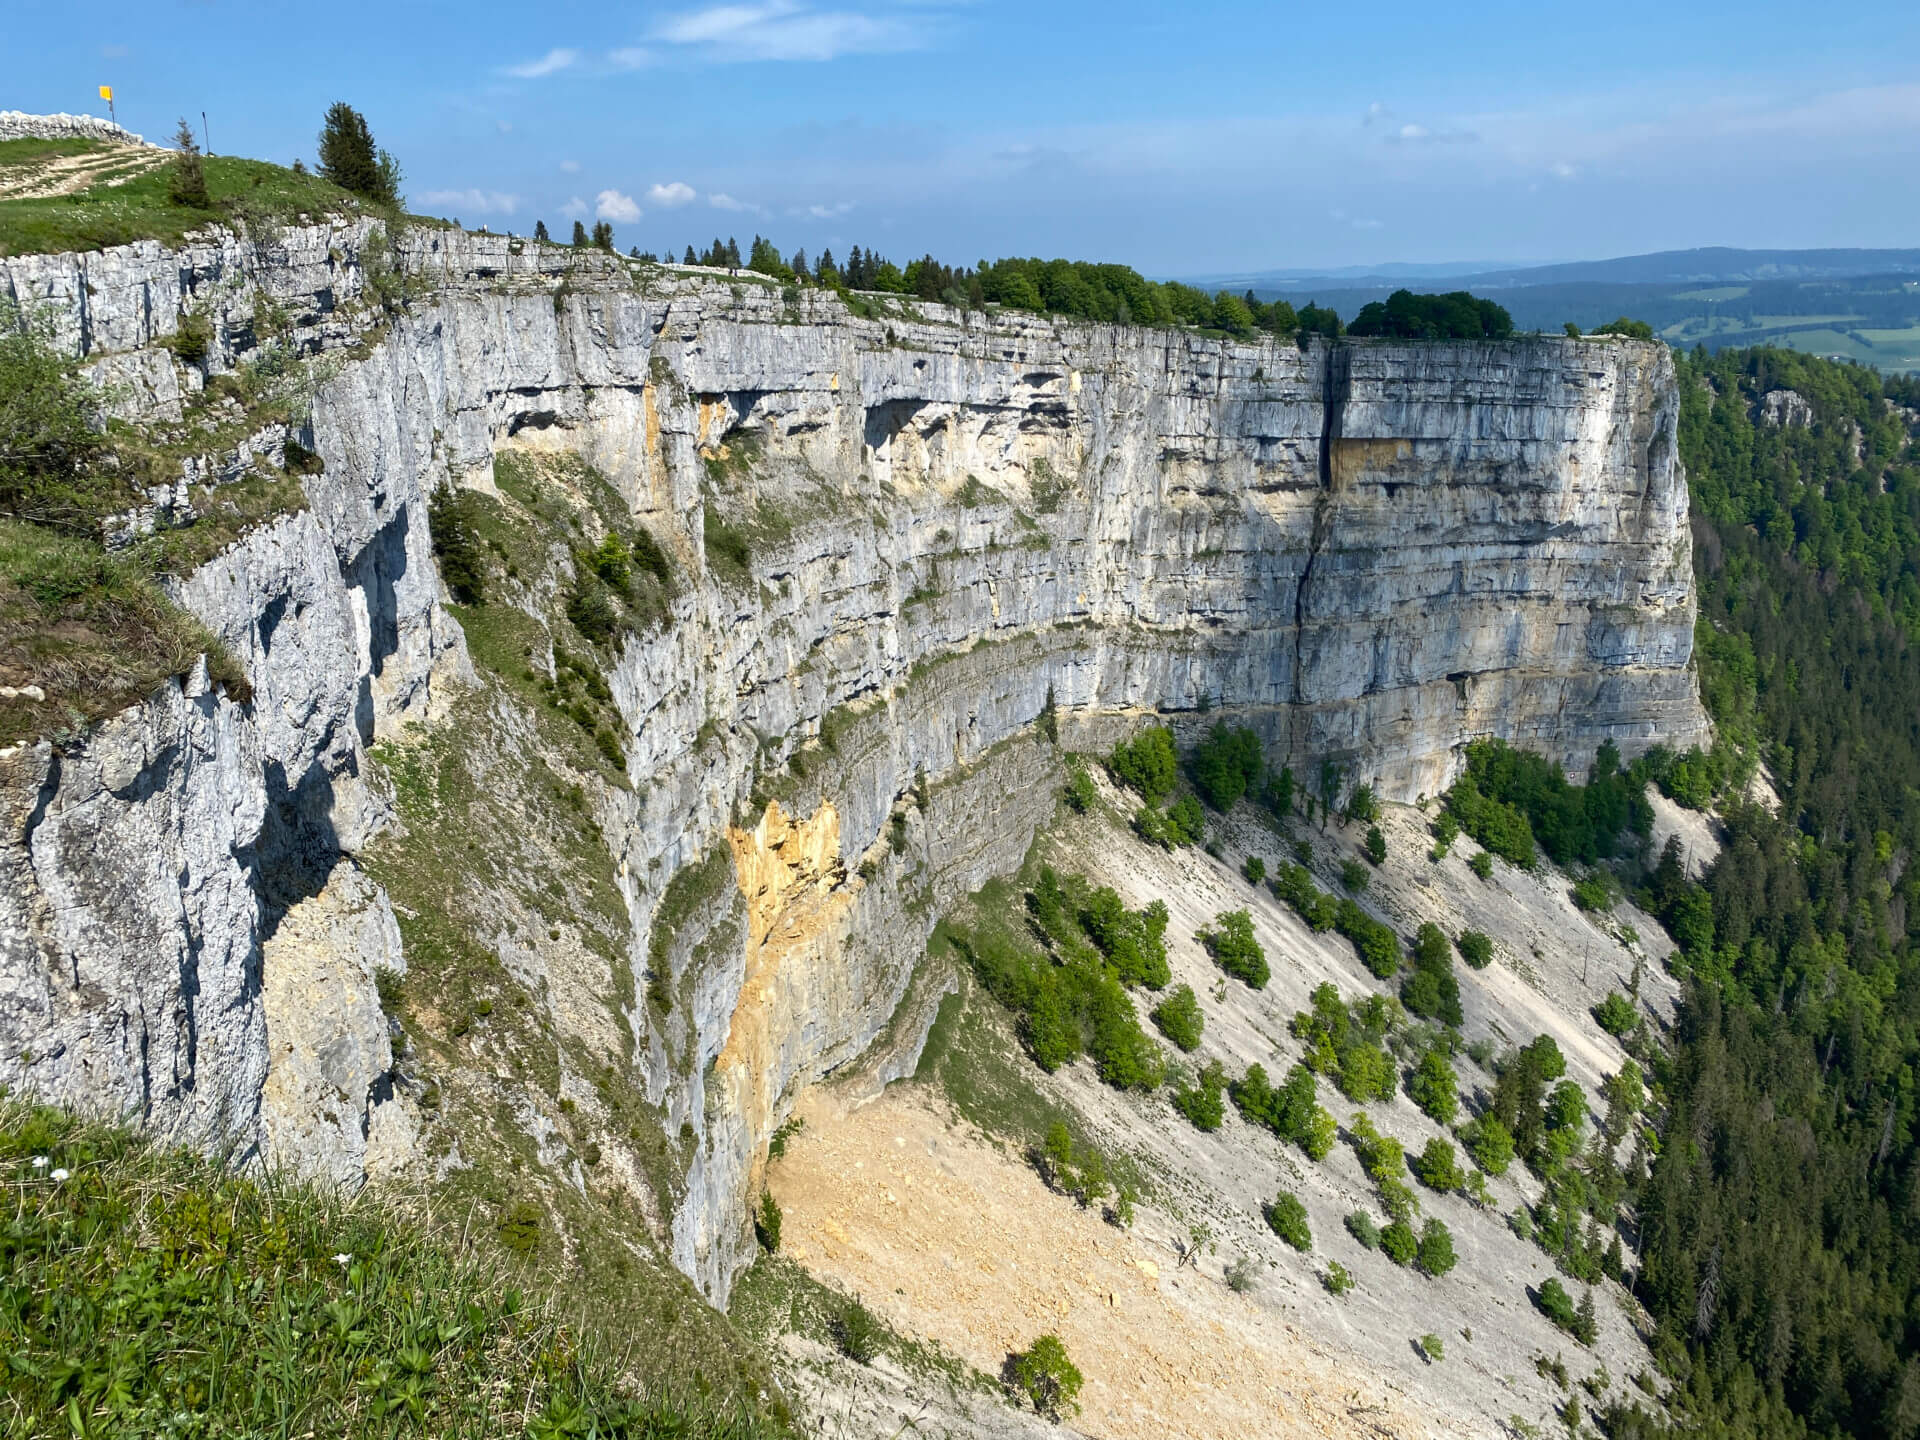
560, 885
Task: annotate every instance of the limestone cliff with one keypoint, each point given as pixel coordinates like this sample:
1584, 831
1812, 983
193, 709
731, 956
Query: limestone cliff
1372, 552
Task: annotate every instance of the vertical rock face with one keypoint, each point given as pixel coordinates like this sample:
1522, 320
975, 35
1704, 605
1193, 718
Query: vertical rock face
1373, 552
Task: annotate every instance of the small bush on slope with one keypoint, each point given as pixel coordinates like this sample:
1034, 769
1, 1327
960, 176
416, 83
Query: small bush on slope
1234, 949
145, 1285
1180, 1019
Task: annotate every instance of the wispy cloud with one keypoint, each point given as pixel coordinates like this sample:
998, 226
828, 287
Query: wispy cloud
551, 63
574, 209
479, 202
612, 205
631, 57
787, 30
821, 212
671, 196
571, 167
720, 201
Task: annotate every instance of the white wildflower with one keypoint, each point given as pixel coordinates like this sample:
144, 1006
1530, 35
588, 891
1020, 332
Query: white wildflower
60, 1175
343, 1261
39, 1162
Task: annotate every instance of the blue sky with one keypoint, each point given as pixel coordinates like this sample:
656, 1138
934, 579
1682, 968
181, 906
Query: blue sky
1196, 138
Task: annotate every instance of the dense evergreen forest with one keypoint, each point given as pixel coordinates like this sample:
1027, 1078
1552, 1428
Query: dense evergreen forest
1780, 1223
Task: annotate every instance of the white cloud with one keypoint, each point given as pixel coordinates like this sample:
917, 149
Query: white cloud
721, 201
479, 202
612, 205
1346, 219
1413, 132
786, 30
575, 209
551, 63
670, 196
822, 212
571, 167
631, 57
1561, 170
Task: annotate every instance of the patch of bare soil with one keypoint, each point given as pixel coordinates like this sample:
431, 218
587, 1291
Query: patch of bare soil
951, 1238
57, 175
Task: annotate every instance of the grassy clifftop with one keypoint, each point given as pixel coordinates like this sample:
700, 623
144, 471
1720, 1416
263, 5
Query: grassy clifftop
58, 195
149, 1292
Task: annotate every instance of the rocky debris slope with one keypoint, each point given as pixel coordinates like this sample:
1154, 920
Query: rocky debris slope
899, 537
952, 1235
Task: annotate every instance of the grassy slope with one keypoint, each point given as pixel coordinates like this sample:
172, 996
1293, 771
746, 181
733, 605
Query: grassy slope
252, 191
93, 631
149, 1292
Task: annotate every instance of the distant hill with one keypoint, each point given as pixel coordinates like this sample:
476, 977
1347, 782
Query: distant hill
1714, 264
1843, 304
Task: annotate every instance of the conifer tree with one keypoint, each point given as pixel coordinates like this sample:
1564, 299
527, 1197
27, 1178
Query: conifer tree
187, 184
350, 160
540, 232
692, 259
579, 235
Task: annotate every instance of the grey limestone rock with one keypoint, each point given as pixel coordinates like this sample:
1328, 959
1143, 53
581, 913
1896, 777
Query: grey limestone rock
1372, 552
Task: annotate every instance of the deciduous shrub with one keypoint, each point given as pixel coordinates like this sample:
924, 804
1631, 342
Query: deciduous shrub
1344, 1044
1552, 1300
1336, 1278
1490, 1143
1202, 1102
1292, 1112
1475, 948
1148, 764
1399, 1244
1288, 1219
1181, 823
1434, 1087
1255, 870
1437, 1168
1360, 1225
1234, 949
1615, 1014
1431, 991
1048, 1378
1079, 789
1592, 892
1227, 765
1180, 1019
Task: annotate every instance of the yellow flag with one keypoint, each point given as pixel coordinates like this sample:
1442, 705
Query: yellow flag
106, 92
